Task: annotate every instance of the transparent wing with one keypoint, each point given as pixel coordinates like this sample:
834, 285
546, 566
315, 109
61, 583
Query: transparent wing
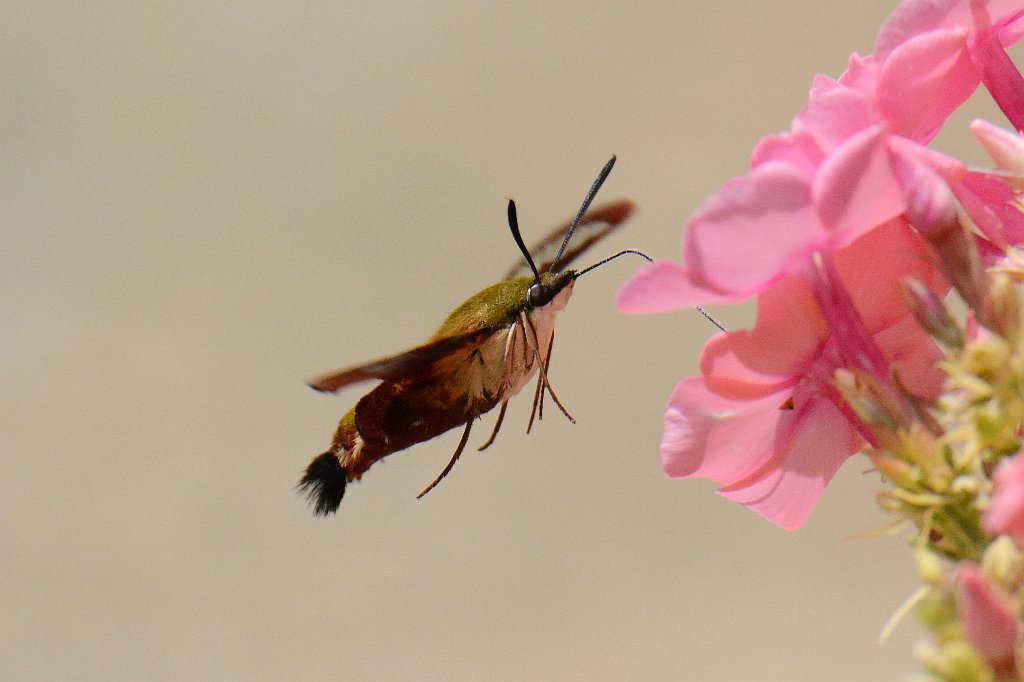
596, 224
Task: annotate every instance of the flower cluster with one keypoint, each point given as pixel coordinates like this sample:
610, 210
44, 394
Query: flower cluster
834, 215
960, 481
851, 231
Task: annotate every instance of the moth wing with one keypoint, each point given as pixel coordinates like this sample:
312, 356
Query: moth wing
412, 361
596, 224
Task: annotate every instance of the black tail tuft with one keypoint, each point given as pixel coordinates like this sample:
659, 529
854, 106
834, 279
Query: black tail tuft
324, 483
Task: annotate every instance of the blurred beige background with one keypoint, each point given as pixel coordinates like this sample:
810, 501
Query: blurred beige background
205, 204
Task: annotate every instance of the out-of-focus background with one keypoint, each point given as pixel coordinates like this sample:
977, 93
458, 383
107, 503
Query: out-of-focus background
204, 204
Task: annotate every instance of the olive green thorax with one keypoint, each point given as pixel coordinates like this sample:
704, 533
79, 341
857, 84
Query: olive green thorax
499, 305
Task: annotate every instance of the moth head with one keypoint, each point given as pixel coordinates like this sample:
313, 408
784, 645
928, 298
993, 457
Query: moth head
547, 286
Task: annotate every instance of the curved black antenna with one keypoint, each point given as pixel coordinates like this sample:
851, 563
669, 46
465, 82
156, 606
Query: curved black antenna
513, 224
700, 310
613, 257
583, 209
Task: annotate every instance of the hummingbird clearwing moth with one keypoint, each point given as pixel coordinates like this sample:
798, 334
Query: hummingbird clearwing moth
484, 353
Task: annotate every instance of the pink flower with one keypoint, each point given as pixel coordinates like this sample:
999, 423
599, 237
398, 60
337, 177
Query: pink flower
933, 53
1005, 516
764, 419
989, 620
849, 162
760, 228
989, 198
819, 229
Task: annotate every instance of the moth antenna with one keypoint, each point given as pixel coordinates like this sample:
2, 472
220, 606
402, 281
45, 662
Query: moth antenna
324, 483
601, 177
710, 319
611, 258
513, 224
700, 310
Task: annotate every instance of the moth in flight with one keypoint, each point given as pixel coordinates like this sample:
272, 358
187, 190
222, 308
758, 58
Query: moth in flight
484, 353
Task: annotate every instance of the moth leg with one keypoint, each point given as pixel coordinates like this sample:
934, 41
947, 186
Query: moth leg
547, 385
455, 457
547, 364
497, 425
538, 397
542, 366
537, 409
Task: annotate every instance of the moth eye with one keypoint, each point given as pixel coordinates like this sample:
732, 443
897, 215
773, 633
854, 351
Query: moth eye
537, 295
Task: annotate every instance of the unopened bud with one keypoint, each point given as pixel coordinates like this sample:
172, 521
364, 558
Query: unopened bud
1005, 148
878, 407
961, 263
1003, 307
1003, 561
932, 313
900, 473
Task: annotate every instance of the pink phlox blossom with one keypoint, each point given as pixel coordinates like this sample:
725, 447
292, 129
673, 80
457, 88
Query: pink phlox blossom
760, 228
846, 165
964, 43
993, 200
989, 199
764, 419
832, 202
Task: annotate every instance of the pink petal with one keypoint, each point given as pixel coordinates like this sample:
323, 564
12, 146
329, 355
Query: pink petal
991, 205
861, 74
663, 285
787, 337
924, 80
726, 366
950, 169
855, 189
914, 355
711, 437
754, 230
1009, 23
786, 491
797, 150
834, 115
913, 17
931, 207
1002, 78
874, 282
